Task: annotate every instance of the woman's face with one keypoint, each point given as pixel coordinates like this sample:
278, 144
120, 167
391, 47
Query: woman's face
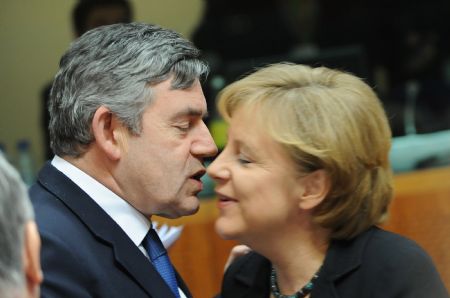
256, 183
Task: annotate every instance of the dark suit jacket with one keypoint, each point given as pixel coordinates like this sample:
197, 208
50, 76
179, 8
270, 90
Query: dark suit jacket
375, 264
84, 252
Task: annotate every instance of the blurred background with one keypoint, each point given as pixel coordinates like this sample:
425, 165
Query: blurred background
401, 48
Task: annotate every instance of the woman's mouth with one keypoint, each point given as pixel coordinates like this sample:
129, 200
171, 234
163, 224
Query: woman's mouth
224, 201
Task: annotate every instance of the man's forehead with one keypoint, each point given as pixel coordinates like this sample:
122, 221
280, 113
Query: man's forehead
190, 101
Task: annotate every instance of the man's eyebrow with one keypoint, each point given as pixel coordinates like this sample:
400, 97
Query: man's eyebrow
191, 112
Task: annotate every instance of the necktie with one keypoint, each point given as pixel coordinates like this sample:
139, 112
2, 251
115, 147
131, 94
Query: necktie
159, 258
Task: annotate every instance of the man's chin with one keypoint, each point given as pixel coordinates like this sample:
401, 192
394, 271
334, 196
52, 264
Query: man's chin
191, 208
188, 208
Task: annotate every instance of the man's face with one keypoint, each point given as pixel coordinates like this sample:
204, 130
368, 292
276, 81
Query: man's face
160, 170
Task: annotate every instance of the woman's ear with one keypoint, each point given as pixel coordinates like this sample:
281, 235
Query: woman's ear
109, 133
316, 186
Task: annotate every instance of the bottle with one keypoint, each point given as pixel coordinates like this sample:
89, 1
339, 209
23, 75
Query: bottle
25, 164
3, 150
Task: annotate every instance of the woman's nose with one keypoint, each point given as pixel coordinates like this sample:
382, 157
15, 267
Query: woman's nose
218, 170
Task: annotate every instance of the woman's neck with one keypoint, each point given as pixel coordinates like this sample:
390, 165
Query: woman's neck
296, 257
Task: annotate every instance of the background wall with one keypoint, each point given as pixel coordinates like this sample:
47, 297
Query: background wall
33, 36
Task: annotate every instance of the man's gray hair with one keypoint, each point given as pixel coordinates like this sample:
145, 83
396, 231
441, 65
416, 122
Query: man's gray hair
115, 66
15, 211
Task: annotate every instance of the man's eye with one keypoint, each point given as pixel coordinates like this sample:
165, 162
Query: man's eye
183, 128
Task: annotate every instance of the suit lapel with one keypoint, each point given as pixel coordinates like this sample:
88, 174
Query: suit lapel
106, 230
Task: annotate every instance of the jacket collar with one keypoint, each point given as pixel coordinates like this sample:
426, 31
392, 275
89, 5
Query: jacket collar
343, 257
106, 230
251, 278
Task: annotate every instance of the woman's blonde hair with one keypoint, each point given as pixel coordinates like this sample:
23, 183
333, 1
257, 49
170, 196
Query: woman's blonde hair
325, 119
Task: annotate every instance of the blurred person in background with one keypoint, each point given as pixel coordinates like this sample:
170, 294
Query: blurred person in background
303, 181
86, 15
20, 269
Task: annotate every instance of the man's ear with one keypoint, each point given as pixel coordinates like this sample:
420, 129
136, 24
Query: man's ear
31, 259
109, 133
316, 186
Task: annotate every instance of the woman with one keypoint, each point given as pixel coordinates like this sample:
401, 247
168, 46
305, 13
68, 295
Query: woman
303, 181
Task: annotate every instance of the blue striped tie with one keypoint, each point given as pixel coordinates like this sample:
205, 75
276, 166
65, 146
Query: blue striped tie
159, 258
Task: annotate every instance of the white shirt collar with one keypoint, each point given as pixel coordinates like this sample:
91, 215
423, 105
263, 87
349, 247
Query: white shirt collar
134, 223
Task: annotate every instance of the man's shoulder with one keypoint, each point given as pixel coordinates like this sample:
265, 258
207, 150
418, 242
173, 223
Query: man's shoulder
48, 178
51, 214
43, 200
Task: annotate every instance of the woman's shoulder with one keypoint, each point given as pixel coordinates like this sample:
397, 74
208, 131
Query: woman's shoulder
397, 262
375, 244
395, 247
380, 261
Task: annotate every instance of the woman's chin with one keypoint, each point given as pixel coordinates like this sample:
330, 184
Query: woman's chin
226, 230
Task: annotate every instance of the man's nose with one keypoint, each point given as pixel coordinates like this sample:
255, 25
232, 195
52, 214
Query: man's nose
204, 145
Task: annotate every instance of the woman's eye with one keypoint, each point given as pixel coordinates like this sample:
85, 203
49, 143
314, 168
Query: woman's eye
243, 160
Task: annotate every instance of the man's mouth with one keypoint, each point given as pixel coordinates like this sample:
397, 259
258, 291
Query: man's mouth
198, 175
196, 178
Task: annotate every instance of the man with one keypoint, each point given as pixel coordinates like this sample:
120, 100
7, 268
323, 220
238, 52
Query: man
127, 130
20, 270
